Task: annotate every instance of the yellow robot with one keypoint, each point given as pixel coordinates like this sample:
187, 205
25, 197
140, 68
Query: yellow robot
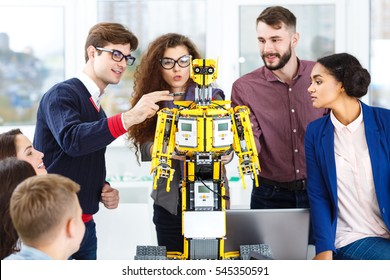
203, 130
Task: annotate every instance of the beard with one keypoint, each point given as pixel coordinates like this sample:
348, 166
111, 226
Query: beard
282, 60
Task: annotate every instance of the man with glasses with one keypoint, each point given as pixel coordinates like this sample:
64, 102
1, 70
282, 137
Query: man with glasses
73, 130
118, 55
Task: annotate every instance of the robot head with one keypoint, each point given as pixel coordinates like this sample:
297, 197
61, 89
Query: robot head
204, 71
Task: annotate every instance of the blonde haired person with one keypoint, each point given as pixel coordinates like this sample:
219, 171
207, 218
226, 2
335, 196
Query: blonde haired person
46, 214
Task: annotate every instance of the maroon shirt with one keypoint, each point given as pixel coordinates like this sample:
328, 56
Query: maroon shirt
279, 114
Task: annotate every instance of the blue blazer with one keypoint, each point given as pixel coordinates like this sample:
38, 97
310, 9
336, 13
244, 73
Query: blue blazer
322, 175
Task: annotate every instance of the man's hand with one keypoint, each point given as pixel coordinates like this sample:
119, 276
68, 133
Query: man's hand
145, 108
110, 197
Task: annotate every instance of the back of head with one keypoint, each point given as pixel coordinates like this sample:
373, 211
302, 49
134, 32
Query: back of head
40, 205
276, 16
7, 143
104, 33
347, 70
12, 172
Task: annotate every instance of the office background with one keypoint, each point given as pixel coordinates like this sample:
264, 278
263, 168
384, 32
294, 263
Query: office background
42, 43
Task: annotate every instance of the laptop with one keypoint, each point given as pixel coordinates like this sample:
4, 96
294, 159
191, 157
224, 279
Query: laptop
285, 231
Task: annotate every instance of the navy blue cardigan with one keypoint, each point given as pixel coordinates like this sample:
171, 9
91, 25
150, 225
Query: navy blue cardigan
73, 135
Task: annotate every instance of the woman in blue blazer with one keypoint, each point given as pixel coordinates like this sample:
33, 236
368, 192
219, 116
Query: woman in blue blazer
348, 164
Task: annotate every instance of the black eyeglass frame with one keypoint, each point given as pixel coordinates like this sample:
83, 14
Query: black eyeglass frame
176, 61
129, 58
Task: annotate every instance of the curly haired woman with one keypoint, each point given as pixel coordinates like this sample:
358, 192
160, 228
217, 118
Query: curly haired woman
165, 66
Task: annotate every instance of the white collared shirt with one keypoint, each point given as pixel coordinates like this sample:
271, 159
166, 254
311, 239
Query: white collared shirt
96, 95
359, 215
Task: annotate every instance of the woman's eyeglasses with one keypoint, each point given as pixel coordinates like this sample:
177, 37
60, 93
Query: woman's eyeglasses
168, 63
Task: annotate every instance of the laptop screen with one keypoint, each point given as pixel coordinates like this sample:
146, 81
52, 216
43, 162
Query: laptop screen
285, 231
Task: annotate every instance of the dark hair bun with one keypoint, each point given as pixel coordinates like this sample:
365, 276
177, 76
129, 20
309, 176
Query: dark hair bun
356, 81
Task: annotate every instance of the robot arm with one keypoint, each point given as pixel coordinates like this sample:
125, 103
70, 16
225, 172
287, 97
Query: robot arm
244, 144
163, 147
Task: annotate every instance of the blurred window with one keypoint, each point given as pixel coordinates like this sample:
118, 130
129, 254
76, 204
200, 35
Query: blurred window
148, 19
31, 59
380, 55
32, 52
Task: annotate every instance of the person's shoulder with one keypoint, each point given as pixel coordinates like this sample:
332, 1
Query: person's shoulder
319, 123
72, 85
256, 74
28, 253
379, 112
306, 64
218, 92
14, 256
